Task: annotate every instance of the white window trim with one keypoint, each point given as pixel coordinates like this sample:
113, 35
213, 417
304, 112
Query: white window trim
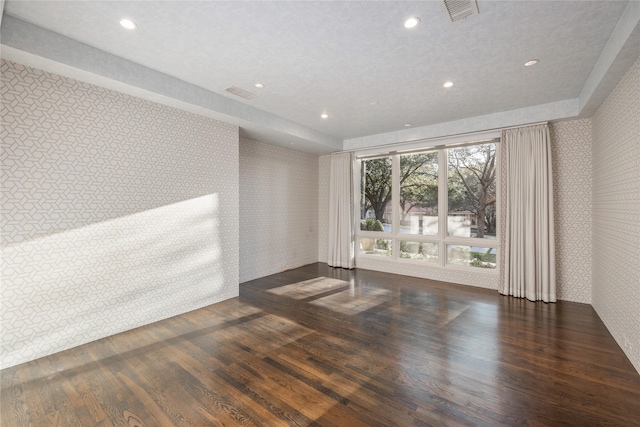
441, 239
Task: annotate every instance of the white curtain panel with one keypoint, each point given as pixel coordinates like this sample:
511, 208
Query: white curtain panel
341, 211
529, 258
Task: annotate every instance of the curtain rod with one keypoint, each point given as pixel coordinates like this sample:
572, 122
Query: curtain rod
411, 141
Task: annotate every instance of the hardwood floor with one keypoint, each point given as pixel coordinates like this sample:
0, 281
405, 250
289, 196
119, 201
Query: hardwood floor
357, 349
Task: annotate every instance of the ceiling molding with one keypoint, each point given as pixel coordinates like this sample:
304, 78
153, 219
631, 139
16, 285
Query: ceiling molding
622, 49
37, 47
34, 46
522, 116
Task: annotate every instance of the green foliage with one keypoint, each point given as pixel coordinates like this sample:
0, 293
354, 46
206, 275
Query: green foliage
371, 224
481, 264
419, 181
483, 260
382, 244
412, 247
416, 250
472, 183
376, 186
457, 195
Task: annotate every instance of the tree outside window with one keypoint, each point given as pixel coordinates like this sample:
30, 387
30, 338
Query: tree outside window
472, 188
470, 199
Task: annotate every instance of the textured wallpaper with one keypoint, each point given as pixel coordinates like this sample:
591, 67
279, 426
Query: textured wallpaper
571, 150
278, 209
116, 212
571, 153
324, 176
616, 213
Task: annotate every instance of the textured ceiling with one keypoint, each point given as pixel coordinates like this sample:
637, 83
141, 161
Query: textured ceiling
352, 60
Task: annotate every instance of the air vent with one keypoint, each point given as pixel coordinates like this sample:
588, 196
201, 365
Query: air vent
241, 93
460, 9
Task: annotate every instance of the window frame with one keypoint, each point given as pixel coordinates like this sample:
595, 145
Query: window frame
441, 239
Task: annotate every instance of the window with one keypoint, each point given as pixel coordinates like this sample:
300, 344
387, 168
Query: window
375, 200
422, 251
473, 256
431, 206
419, 193
471, 182
373, 246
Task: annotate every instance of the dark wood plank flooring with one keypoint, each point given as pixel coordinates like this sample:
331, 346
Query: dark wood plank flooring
360, 348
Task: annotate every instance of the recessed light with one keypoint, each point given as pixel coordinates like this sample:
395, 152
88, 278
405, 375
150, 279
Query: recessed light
530, 63
411, 22
259, 85
324, 115
128, 24
407, 125
448, 84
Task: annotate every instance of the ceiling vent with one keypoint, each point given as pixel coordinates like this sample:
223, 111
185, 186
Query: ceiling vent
241, 93
460, 9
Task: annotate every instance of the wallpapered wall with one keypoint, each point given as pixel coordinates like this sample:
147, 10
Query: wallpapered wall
571, 154
571, 150
116, 212
616, 213
278, 209
323, 202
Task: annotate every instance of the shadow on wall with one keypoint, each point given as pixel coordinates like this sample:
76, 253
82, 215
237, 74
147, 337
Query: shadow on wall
77, 286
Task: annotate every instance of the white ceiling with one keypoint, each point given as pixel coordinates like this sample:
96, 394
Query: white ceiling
353, 60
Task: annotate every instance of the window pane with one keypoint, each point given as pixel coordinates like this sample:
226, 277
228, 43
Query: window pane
472, 191
471, 256
374, 246
419, 193
375, 199
419, 251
